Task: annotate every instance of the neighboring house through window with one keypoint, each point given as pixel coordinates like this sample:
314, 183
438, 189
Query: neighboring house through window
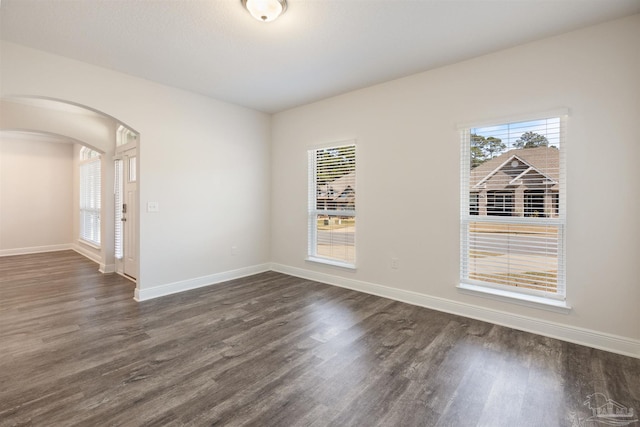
332, 205
512, 207
90, 198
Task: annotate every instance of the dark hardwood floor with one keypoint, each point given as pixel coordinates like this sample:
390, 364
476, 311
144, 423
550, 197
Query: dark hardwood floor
275, 350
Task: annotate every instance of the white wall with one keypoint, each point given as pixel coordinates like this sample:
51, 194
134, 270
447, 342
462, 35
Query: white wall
205, 162
408, 176
36, 193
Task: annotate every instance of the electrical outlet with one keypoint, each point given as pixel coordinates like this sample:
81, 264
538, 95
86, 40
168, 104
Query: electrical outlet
235, 250
395, 263
153, 207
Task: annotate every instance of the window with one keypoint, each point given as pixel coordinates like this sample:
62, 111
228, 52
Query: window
118, 191
534, 203
473, 203
90, 196
87, 153
133, 176
332, 205
125, 136
500, 203
512, 215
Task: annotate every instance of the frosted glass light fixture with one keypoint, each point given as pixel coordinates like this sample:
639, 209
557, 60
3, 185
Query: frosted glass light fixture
265, 10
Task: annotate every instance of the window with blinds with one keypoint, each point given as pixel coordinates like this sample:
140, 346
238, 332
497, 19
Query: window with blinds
332, 205
90, 199
512, 217
118, 198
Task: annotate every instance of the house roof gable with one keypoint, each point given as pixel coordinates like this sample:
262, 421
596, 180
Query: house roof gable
543, 161
338, 187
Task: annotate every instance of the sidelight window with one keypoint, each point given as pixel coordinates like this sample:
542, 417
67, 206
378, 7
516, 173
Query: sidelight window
90, 196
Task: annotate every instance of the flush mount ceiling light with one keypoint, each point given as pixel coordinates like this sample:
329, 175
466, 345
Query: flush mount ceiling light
265, 10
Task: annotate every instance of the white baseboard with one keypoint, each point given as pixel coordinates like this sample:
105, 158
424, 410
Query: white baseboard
107, 268
185, 285
603, 341
103, 268
35, 249
88, 254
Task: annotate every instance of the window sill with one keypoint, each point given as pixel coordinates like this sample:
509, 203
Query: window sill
331, 262
549, 304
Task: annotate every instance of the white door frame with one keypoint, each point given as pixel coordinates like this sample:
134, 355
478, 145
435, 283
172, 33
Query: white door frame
126, 152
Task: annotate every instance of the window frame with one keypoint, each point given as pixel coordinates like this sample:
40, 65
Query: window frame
313, 212
530, 297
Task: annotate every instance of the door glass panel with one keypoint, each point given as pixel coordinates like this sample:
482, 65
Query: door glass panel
132, 169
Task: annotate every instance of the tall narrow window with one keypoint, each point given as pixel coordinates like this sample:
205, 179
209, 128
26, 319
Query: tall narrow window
118, 198
332, 205
90, 199
512, 215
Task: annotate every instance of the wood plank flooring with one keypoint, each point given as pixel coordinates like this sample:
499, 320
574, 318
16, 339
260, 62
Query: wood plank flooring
275, 350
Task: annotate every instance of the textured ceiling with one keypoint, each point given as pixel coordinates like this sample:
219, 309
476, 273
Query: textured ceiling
317, 49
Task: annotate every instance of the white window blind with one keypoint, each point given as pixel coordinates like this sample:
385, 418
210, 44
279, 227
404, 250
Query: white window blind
513, 206
332, 204
118, 189
90, 198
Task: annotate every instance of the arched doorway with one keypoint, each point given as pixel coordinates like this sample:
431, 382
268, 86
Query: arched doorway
71, 123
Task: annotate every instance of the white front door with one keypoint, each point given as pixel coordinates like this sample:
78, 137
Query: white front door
130, 214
